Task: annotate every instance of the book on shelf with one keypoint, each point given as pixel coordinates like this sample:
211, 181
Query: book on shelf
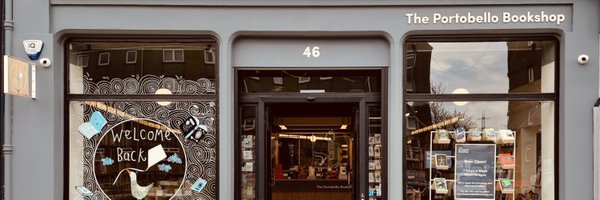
377, 151
377, 164
506, 137
442, 137
377, 138
460, 135
248, 167
440, 186
505, 185
411, 174
377, 177
371, 177
247, 155
372, 165
474, 135
247, 141
489, 135
441, 161
506, 161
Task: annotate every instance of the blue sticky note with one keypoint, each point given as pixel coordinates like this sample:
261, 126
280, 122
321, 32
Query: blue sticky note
98, 121
87, 130
164, 167
199, 185
107, 161
175, 159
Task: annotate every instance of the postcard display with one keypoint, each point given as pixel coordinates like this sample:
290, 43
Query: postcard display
248, 159
375, 155
483, 164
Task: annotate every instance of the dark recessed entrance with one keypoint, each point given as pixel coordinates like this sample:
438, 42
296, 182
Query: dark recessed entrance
312, 152
309, 134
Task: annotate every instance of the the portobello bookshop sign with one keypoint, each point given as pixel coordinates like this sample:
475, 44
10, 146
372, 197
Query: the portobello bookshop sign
553, 15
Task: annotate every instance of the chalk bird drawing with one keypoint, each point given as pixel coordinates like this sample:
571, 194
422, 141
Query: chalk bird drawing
137, 191
155, 155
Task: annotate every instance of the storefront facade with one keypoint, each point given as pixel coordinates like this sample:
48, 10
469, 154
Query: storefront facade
313, 99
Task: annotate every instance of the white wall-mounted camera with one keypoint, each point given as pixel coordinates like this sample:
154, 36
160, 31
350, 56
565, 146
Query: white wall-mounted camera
583, 59
45, 62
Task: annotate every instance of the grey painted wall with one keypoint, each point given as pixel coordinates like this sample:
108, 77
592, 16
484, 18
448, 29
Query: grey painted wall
38, 124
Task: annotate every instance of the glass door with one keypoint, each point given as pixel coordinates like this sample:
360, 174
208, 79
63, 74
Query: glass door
313, 150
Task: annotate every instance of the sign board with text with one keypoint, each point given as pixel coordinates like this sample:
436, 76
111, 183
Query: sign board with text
475, 171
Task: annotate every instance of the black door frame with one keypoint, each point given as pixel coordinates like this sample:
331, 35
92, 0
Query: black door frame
360, 174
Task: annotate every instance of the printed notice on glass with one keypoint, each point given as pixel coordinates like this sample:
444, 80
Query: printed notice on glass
475, 171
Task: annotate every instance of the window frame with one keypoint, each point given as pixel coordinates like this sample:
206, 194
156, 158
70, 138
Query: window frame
127, 61
172, 52
71, 97
485, 97
100, 56
81, 58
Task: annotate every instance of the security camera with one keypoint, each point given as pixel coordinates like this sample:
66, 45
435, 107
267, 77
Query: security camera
583, 59
45, 62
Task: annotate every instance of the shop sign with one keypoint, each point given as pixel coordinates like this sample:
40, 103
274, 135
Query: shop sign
485, 18
475, 171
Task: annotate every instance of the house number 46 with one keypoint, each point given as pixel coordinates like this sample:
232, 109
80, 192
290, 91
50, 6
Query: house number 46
311, 52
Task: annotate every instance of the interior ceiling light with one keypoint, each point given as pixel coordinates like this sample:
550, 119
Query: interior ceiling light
344, 126
282, 127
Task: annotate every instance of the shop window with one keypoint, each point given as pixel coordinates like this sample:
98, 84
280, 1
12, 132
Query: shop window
103, 59
131, 57
83, 60
480, 119
145, 131
209, 56
173, 55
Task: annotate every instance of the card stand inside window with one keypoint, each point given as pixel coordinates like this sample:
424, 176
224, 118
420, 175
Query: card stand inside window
506, 186
506, 161
460, 135
441, 162
506, 137
489, 134
440, 186
474, 135
442, 136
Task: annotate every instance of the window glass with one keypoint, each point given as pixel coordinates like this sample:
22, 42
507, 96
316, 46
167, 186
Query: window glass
494, 145
520, 137
479, 67
301, 80
176, 66
140, 148
112, 143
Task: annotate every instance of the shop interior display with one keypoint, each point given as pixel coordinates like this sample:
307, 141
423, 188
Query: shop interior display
432, 167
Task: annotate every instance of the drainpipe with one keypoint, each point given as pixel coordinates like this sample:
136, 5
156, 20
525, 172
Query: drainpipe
7, 147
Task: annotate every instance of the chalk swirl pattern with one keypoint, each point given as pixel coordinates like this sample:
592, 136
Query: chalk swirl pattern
148, 84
